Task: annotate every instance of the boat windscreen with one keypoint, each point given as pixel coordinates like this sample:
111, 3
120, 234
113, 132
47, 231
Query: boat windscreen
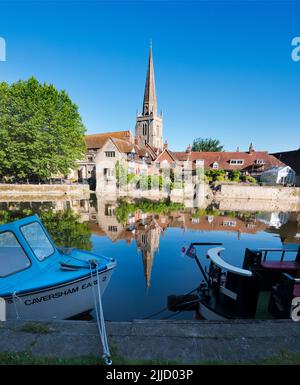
12, 256
37, 240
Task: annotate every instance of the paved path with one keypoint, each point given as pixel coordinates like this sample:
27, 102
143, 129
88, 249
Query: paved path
182, 341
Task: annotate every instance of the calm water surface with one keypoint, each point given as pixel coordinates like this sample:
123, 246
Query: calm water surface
147, 246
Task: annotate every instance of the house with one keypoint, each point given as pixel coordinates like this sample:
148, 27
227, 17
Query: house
283, 175
87, 166
292, 159
117, 158
251, 162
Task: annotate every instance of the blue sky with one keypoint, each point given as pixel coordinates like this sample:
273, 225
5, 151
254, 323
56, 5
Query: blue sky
223, 69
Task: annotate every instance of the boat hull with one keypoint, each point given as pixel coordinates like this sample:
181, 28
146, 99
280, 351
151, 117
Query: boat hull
60, 301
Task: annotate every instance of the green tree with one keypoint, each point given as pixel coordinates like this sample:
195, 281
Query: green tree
41, 132
66, 229
65, 226
207, 144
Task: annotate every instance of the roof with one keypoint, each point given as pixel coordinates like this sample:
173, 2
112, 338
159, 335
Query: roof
97, 141
166, 155
291, 158
126, 147
223, 159
150, 94
277, 168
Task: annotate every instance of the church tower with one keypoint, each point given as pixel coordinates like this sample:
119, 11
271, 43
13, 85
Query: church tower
148, 129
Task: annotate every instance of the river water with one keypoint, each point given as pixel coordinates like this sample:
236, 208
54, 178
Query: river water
148, 245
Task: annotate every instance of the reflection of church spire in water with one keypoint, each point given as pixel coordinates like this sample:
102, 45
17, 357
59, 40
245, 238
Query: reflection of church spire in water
148, 242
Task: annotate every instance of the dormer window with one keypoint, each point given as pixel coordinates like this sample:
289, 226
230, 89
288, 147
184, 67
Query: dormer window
236, 162
215, 165
259, 161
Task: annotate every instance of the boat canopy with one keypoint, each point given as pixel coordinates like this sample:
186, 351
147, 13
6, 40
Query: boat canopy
214, 256
24, 243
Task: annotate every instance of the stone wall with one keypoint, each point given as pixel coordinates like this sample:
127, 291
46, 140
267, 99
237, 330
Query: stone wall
277, 193
76, 190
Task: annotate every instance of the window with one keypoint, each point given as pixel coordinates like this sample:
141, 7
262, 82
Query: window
110, 154
237, 161
109, 210
229, 223
113, 229
37, 240
108, 172
215, 165
144, 239
259, 161
12, 256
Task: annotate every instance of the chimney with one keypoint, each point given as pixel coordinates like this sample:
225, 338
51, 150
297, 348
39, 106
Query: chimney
128, 136
166, 145
189, 149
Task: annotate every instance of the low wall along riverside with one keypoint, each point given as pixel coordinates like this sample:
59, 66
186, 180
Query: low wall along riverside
277, 193
10, 190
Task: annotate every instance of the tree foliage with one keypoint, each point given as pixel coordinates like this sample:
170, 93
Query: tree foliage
41, 132
207, 144
65, 226
126, 208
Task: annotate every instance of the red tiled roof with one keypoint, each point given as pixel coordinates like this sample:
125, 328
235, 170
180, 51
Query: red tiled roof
97, 141
223, 159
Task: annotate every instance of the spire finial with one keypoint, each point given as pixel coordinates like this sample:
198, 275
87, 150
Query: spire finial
150, 43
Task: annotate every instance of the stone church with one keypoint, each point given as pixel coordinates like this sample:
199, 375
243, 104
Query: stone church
146, 153
149, 125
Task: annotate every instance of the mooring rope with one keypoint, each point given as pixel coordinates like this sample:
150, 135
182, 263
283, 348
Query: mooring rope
100, 316
14, 295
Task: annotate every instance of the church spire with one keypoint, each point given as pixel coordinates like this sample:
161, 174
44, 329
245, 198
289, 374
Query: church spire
150, 102
149, 125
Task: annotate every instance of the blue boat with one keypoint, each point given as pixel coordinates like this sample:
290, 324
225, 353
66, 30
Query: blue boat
39, 281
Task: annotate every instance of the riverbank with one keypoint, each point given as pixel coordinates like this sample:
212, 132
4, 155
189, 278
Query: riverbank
180, 342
